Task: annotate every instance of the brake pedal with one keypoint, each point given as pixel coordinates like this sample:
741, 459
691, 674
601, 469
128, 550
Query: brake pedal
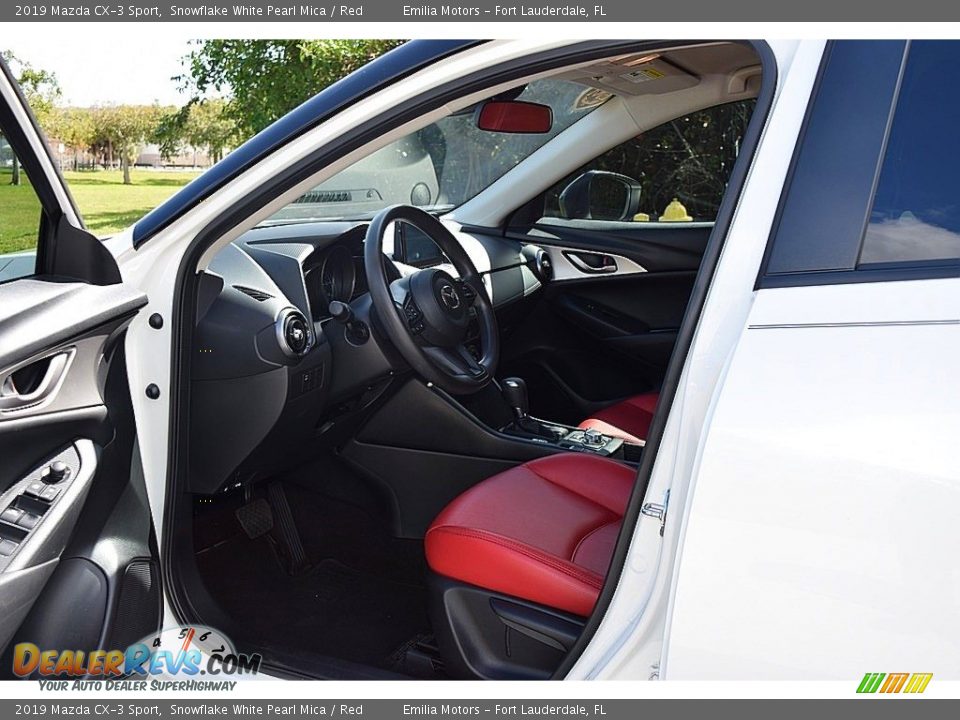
256, 518
289, 537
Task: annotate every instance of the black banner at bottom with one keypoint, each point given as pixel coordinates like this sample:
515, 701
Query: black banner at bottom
874, 708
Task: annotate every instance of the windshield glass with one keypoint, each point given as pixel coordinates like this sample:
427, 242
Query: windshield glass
440, 166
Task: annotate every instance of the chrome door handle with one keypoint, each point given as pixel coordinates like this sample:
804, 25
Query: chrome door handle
14, 398
607, 263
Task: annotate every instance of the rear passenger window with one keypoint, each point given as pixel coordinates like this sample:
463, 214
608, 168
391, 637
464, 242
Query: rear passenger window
679, 171
915, 217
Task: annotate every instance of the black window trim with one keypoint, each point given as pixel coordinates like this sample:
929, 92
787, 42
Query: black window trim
859, 273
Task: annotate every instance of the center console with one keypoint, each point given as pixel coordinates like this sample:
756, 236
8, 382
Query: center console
527, 427
426, 447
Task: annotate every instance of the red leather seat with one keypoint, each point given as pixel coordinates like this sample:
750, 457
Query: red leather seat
543, 531
629, 419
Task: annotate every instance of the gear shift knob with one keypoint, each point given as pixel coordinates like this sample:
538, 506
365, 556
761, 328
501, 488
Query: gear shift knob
515, 393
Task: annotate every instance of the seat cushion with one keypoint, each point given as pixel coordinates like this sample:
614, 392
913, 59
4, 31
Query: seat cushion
543, 531
628, 420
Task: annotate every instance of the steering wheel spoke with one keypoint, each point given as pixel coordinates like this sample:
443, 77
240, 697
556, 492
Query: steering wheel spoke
468, 291
456, 361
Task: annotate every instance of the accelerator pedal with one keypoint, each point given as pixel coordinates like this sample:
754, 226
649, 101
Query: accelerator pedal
287, 529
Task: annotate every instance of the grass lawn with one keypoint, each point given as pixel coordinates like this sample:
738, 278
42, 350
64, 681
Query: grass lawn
106, 204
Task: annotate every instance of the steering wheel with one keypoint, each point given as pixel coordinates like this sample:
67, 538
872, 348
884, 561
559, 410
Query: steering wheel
425, 315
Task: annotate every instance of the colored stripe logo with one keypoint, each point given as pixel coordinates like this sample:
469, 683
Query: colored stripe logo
913, 683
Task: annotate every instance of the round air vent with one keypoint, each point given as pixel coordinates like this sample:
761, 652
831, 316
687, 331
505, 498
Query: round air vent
293, 332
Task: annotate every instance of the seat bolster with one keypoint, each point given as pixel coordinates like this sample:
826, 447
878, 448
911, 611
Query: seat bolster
497, 563
600, 480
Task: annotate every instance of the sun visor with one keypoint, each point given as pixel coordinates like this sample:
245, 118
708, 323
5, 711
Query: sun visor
649, 74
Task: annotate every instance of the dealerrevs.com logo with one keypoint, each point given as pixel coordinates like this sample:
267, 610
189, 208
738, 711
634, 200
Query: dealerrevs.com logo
173, 659
888, 683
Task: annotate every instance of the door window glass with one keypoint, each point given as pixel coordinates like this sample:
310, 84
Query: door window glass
19, 217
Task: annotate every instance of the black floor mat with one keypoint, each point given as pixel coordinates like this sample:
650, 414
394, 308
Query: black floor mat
331, 609
363, 593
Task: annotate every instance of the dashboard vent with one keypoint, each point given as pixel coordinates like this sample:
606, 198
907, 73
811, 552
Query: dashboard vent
258, 295
325, 196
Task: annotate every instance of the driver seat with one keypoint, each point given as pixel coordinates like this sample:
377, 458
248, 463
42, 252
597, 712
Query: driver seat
519, 559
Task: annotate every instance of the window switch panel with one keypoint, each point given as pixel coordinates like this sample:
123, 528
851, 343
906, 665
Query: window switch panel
11, 515
28, 521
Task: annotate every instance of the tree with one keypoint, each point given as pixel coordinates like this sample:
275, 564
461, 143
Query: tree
127, 128
200, 124
40, 88
267, 78
74, 127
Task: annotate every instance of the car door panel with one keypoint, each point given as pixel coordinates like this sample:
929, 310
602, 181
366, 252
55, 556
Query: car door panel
78, 559
656, 247
597, 337
82, 418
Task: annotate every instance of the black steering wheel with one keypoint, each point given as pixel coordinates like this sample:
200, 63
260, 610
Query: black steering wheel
426, 314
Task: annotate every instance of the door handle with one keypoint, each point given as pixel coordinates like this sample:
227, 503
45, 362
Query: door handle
35, 383
592, 263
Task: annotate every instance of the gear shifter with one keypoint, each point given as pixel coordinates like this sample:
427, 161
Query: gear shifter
515, 393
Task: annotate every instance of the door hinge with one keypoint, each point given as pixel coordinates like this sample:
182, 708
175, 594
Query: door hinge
658, 511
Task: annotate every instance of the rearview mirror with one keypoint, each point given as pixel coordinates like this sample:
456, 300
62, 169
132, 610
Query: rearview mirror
600, 195
514, 116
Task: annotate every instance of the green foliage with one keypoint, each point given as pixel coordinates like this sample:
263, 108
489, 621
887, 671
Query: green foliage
127, 128
198, 124
39, 86
41, 90
265, 79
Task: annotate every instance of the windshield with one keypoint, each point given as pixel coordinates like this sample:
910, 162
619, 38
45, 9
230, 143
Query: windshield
440, 166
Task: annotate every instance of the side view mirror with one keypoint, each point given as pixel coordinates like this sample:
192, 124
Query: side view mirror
514, 116
600, 195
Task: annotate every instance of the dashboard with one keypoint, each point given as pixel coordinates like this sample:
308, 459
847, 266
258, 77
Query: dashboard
272, 373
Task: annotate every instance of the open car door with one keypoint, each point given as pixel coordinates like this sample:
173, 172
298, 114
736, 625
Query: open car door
78, 566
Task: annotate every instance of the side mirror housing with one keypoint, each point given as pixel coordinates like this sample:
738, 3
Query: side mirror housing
514, 116
600, 195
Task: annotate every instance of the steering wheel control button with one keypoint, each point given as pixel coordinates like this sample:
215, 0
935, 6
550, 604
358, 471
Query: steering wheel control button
413, 315
11, 515
7, 548
55, 472
411, 310
468, 293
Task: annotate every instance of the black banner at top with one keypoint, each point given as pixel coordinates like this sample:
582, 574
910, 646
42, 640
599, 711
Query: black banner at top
476, 11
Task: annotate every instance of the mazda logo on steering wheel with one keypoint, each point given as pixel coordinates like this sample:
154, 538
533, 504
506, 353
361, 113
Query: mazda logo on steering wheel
448, 293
